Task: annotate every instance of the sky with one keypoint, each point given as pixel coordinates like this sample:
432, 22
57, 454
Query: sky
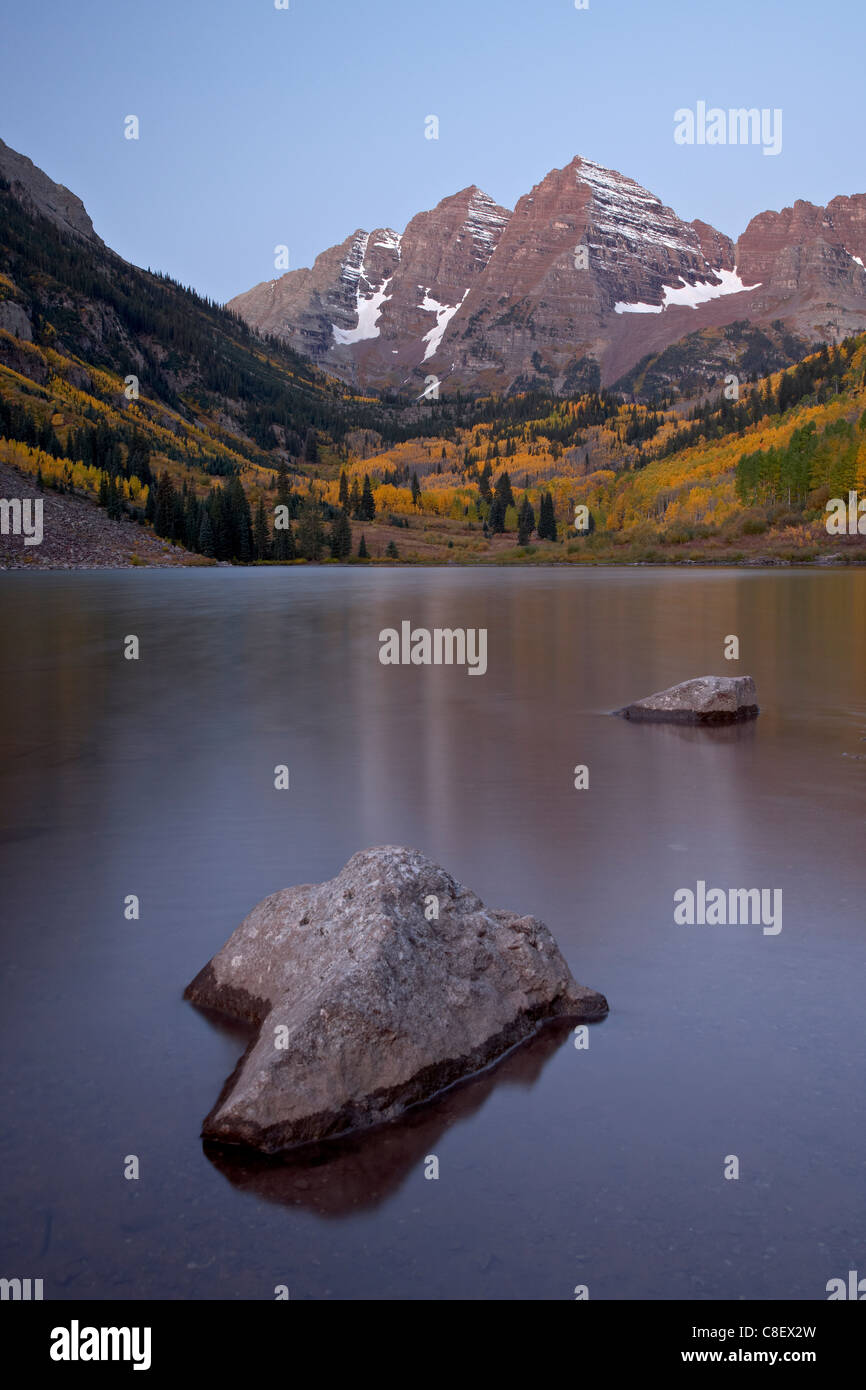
262, 127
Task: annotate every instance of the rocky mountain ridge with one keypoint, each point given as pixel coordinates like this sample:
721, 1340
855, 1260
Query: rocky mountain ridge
589, 274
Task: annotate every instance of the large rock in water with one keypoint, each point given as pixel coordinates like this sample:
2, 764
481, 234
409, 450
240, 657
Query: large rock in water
365, 1007
704, 700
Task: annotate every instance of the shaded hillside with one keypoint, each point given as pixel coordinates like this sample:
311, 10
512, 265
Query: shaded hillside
72, 294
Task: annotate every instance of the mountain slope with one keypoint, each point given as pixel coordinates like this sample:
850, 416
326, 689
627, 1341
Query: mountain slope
62, 288
122, 386
374, 309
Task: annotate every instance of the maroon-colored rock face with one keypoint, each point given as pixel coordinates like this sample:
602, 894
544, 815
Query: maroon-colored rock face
311, 307
805, 245
372, 310
584, 241
590, 269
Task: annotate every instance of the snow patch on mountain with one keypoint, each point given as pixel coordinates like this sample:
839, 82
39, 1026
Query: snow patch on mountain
369, 307
392, 241
690, 296
444, 314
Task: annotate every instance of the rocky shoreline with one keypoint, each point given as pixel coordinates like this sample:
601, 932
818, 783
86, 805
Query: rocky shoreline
78, 535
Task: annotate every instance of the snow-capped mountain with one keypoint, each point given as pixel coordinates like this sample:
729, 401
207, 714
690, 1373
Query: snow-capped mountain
587, 277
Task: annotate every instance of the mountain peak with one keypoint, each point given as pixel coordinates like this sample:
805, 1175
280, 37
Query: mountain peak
589, 274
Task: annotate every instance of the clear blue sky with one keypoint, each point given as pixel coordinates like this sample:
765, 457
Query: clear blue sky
262, 126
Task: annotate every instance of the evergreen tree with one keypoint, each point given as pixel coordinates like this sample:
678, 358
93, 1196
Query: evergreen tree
391, 551
503, 490
138, 458
163, 517
205, 534
283, 489
496, 517
344, 490
525, 521
219, 515
311, 448
355, 500
239, 521
484, 482
341, 537
179, 514
363, 552
191, 521
311, 536
416, 490
546, 518
261, 536
113, 506
284, 549
367, 509
543, 518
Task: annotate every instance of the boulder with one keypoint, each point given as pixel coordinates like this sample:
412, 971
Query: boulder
704, 700
362, 1170
372, 992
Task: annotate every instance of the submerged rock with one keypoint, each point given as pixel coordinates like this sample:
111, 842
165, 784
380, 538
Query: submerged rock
366, 1007
704, 700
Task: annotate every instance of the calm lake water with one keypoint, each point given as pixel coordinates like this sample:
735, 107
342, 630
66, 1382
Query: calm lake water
602, 1167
